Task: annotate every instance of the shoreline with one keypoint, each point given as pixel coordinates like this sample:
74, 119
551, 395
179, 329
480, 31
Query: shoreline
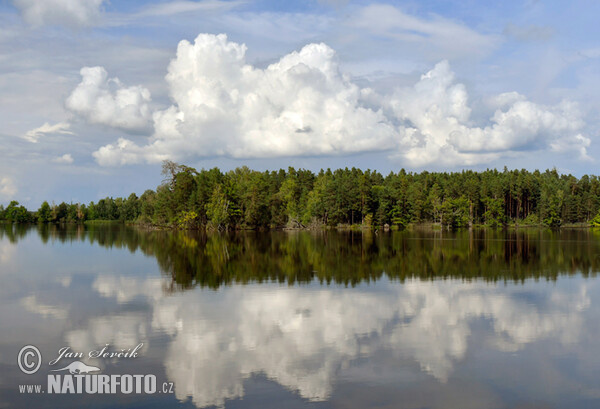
342, 227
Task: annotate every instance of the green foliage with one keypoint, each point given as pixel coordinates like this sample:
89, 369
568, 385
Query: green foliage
596, 221
368, 220
248, 199
290, 197
531, 220
129, 209
16, 213
455, 212
187, 220
44, 213
217, 209
494, 212
146, 206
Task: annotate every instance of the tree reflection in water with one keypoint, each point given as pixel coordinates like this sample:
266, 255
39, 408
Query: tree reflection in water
441, 320
194, 258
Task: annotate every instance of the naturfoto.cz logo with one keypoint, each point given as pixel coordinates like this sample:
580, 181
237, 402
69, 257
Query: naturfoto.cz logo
81, 378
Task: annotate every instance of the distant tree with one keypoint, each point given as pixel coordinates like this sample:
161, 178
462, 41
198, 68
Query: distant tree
146, 206
290, 197
455, 212
434, 201
72, 212
130, 208
17, 213
61, 212
44, 213
92, 211
494, 214
217, 209
82, 212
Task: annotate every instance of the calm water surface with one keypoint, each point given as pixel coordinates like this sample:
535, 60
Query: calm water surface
482, 319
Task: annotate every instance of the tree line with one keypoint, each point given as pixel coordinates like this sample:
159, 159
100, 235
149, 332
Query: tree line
249, 199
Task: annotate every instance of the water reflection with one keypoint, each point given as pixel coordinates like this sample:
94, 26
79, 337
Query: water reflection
303, 337
31, 303
211, 260
418, 316
6, 252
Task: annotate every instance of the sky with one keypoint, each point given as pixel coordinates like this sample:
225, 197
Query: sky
95, 94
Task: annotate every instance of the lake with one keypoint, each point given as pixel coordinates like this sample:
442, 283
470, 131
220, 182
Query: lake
299, 319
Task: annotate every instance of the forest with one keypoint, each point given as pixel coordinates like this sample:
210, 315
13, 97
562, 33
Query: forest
299, 198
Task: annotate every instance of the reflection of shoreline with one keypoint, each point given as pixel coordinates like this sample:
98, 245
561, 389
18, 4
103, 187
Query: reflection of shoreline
315, 339
211, 260
303, 337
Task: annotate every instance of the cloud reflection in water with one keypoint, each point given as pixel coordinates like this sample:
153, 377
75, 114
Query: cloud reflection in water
302, 337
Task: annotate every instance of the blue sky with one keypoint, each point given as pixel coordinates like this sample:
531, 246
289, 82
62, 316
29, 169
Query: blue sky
95, 94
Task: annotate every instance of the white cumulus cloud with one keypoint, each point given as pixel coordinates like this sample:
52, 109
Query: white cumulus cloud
64, 159
7, 188
106, 101
65, 12
47, 129
304, 105
300, 105
438, 128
